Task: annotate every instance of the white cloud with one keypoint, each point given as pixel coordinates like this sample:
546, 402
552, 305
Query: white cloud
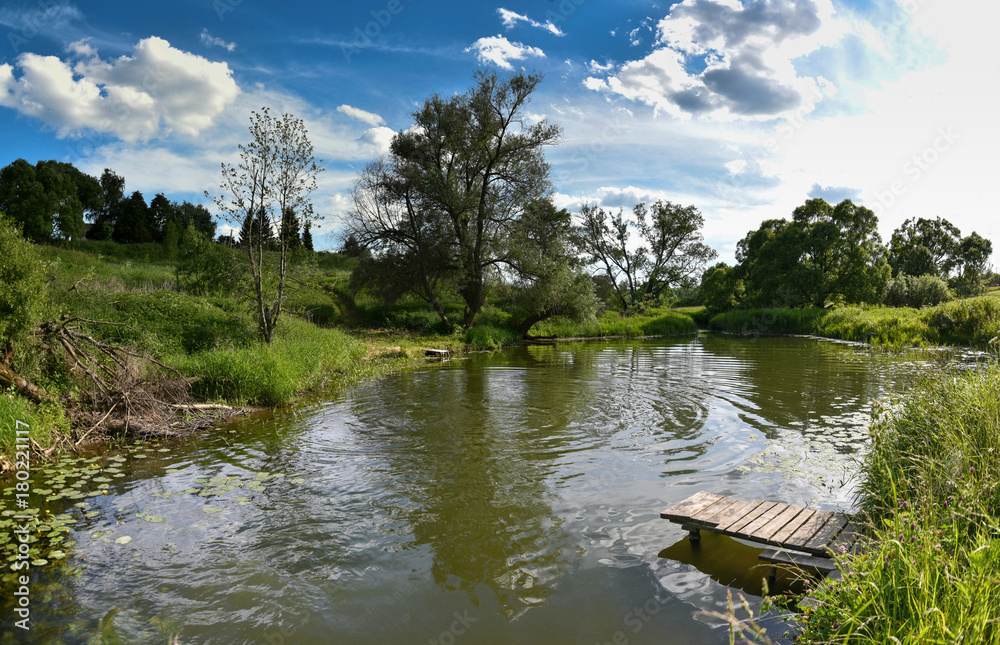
155, 91
511, 18
500, 51
745, 54
211, 41
361, 115
737, 166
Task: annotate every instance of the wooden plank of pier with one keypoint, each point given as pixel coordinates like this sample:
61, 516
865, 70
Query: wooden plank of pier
785, 526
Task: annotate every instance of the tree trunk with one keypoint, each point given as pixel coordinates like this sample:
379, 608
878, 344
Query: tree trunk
10, 378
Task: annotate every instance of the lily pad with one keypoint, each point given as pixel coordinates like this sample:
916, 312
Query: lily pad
125, 539
96, 535
210, 510
155, 519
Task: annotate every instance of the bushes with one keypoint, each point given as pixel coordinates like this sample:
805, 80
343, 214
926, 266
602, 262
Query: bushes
204, 267
768, 321
916, 291
23, 289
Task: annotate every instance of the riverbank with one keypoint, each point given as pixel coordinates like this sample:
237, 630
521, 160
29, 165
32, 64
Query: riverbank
929, 490
973, 322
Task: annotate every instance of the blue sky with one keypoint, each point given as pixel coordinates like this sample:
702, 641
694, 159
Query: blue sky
744, 109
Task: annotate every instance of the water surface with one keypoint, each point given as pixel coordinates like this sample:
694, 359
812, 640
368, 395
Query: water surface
507, 497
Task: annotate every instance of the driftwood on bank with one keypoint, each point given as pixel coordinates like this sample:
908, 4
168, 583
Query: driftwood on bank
130, 394
10, 378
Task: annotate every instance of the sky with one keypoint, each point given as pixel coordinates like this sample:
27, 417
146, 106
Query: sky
743, 109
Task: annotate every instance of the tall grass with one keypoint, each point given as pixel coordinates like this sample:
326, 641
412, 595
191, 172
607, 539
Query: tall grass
768, 321
301, 357
973, 321
656, 322
929, 485
45, 422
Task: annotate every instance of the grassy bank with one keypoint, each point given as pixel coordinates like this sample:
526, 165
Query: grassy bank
929, 487
654, 322
974, 322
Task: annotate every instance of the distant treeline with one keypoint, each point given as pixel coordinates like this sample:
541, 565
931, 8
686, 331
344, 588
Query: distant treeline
833, 255
52, 200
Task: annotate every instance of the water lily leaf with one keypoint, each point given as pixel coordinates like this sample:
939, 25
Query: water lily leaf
102, 479
171, 470
125, 539
40, 562
297, 480
210, 510
140, 456
98, 534
92, 514
155, 519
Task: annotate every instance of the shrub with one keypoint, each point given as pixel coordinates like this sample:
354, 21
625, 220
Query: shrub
204, 267
23, 289
916, 291
484, 336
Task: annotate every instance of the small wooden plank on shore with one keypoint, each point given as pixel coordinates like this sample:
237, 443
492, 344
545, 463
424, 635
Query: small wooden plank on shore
806, 532
737, 525
825, 536
788, 527
780, 556
725, 515
793, 525
684, 510
440, 354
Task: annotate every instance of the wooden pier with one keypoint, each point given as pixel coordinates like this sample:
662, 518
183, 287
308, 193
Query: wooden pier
803, 537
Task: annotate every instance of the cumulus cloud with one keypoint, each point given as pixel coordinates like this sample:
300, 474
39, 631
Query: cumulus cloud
834, 194
361, 115
745, 55
511, 18
157, 90
500, 51
211, 41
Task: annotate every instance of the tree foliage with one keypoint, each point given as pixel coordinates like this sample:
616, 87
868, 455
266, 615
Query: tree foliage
22, 284
276, 172
671, 251
924, 247
48, 199
441, 206
546, 278
824, 255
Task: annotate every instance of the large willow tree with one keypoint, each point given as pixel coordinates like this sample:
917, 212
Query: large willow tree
442, 206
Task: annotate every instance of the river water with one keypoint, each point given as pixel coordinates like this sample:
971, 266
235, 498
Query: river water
511, 497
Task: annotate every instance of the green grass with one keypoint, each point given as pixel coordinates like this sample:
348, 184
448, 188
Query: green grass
301, 357
930, 485
768, 321
973, 321
655, 322
44, 422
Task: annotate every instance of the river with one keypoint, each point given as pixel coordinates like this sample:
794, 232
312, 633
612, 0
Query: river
511, 497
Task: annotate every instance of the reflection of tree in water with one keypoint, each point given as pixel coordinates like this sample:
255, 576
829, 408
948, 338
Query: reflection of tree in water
467, 448
779, 382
